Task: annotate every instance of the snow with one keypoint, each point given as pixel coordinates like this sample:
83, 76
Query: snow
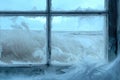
78, 55
70, 48
85, 65
30, 46
83, 71
23, 43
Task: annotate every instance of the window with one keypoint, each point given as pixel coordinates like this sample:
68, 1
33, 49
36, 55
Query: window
54, 31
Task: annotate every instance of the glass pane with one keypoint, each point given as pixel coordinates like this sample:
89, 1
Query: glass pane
82, 23
22, 40
22, 5
78, 5
75, 38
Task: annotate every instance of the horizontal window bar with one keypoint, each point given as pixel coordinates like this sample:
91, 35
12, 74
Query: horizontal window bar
78, 14
14, 13
91, 12
30, 69
21, 65
52, 12
23, 70
30, 65
36, 13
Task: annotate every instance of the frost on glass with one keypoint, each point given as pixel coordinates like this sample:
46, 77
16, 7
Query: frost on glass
22, 5
78, 5
22, 40
76, 37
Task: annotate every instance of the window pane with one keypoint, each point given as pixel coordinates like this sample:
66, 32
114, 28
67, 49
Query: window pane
22, 5
78, 5
22, 40
82, 23
76, 37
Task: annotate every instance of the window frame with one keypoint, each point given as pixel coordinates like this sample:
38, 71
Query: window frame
112, 29
111, 14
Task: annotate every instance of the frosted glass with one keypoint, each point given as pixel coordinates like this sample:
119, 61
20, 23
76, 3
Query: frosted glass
78, 23
22, 5
75, 38
22, 40
78, 5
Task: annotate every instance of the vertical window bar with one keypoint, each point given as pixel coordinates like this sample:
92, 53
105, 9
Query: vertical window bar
112, 16
107, 26
48, 32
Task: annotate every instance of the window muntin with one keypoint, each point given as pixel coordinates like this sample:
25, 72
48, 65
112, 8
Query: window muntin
78, 5
23, 5
23, 40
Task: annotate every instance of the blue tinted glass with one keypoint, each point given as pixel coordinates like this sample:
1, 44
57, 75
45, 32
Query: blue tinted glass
22, 5
78, 5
